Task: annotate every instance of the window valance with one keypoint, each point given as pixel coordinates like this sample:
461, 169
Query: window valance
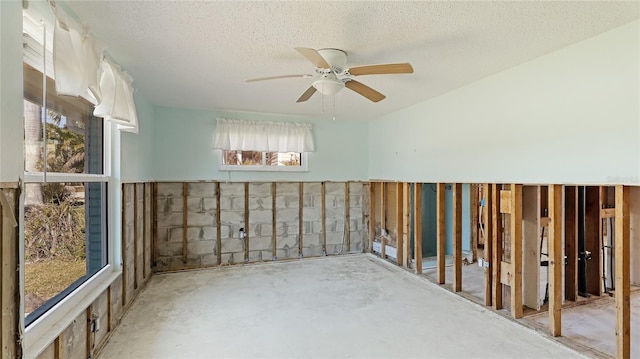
266, 136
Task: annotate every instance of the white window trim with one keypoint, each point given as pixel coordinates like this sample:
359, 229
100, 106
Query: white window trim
262, 168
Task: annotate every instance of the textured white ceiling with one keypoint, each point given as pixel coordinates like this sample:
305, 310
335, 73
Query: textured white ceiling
197, 54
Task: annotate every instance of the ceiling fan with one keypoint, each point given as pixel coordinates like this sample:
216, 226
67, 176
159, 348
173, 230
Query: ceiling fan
332, 75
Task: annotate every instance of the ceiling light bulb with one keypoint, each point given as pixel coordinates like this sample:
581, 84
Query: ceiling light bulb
328, 86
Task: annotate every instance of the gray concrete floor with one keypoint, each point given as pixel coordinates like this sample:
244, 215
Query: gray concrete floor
472, 277
592, 325
349, 306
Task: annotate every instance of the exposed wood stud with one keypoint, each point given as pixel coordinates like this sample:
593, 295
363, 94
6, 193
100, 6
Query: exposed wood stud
516, 250
496, 239
324, 218
135, 236
556, 260
218, 228
622, 272
441, 244
246, 221
59, 346
488, 243
406, 224
473, 213
372, 215
144, 231
417, 227
347, 211
123, 244
274, 211
399, 225
300, 217
154, 223
10, 280
185, 216
457, 237
109, 314
89, 342
383, 220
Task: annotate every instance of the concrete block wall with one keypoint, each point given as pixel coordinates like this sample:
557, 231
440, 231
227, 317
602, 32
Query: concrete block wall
260, 222
287, 220
251, 206
312, 219
231, 220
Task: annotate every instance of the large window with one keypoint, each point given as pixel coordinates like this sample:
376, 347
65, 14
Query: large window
64, 195
267, 161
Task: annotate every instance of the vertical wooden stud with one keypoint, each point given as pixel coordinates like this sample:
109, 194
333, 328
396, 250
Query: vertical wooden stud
622, 272
399, 224
300, 217
185, 216
347, 221
516, 250
89, 342
496, 240
441, 244
59, 346
406, 223
123, 244
383, 220
246, 221
417, 227
372, 215
273, 221
556, 260
473, 214
218, 229
488, 244
135, 236
144, 231
154, 223
457, 237
324, 218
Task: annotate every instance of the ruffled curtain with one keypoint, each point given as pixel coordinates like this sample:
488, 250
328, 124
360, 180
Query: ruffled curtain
264, 136
81, 69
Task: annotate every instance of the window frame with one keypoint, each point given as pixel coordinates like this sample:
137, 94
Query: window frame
264, 168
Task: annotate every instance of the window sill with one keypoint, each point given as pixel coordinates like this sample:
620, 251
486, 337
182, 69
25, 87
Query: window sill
41, 333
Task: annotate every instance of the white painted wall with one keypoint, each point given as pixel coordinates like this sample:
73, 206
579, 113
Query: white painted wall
11, 106
183, 148
571, 116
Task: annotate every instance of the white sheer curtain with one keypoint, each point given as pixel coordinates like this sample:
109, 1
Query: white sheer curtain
264, 136
81, 69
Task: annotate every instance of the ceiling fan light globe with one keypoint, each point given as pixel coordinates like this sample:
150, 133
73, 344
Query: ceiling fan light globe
328, 86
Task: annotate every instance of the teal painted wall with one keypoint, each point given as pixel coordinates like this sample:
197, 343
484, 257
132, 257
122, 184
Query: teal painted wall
137, 156
183, 148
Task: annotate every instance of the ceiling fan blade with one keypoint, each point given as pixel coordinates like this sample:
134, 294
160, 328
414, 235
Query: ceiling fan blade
307, 76
403, 68
313, 56
307, 94
364, 90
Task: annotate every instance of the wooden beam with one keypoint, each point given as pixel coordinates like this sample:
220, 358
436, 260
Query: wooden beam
144, 231
185, 217
135, 236
300, 217
417, 227
556, 260
473, 220
324, 219
496, 239
347, 212
246, 221
154, 223
383, 220
441, 238
218, 229
406, 224
274, 232
488, 244
123, 243
372, 215
571, 242
516, 250
622, 272
9, 273
399, 225
457, 237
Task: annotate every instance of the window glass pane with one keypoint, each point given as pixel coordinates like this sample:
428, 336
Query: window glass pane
289, 159
64, 240
231, 157
251, 158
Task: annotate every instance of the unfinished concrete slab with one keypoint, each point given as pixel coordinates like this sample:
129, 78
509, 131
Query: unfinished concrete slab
472, 276
593, 325
343, 306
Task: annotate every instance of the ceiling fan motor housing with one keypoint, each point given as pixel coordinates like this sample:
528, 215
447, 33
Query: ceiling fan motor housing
336, 58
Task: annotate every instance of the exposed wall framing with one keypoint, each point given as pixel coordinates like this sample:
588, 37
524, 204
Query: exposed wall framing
10, 335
